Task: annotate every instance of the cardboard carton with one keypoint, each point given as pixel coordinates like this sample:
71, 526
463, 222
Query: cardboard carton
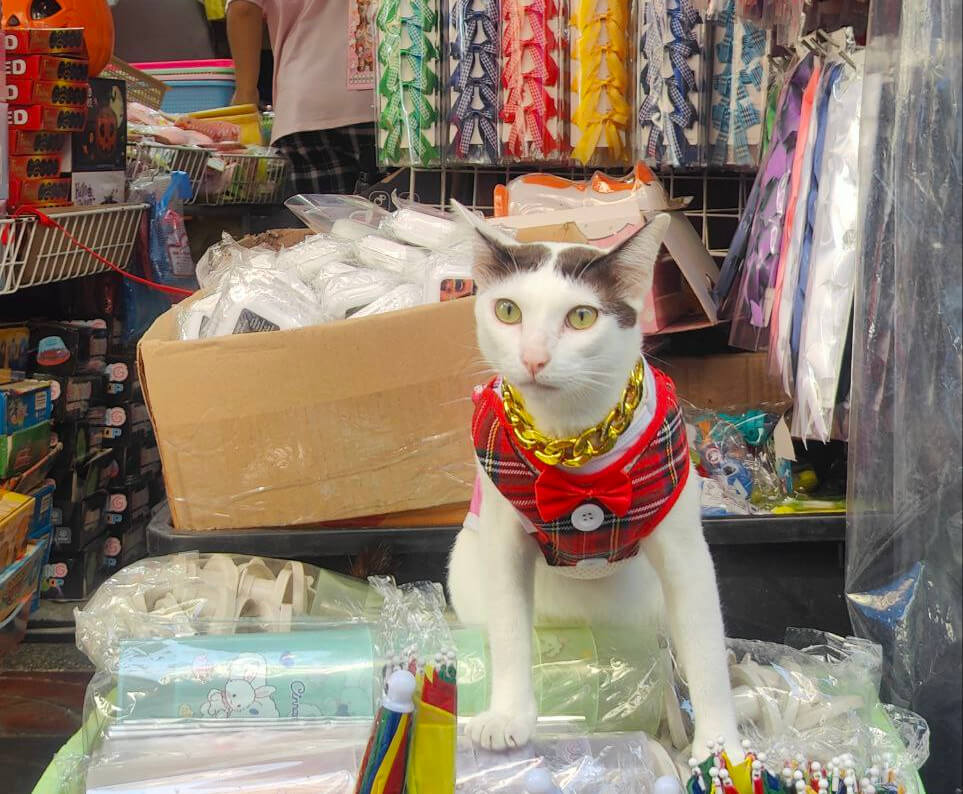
353, 418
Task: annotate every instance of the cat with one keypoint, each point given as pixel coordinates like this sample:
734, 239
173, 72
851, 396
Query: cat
560, 323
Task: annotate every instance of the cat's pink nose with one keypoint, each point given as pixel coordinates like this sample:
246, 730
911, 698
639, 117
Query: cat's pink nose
534, 362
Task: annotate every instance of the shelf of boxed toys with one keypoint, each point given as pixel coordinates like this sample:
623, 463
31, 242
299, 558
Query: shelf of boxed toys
35, 252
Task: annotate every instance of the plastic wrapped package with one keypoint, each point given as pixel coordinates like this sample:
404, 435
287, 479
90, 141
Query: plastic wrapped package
448, 275
322, 757
734, 451
752, 303
221, 257
169, 248
669, 80
194, 317
473, 82
740, 71
534, 193
421, 225
602, 66
404, 296
320, 212
832, 265
342, 295
258, 299
906, 430
313, 254
378, 252
533, 96
407, 89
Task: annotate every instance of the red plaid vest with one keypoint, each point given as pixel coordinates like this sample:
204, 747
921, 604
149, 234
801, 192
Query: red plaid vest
599, 516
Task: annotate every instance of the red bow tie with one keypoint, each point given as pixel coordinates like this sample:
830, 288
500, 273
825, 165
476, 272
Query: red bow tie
557, 495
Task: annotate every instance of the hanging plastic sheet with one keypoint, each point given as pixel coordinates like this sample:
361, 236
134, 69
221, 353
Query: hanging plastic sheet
904, 525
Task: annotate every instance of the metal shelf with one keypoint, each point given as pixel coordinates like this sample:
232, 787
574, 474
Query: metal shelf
33, 253
308, 542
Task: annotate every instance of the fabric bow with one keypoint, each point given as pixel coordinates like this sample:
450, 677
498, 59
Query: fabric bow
556, 495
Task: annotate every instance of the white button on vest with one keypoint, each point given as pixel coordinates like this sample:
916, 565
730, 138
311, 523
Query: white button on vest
587, 517
591, 564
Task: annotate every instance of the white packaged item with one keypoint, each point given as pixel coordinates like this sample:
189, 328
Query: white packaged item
221, 257
262, 299
417, 227
404, 296
448, 275
341, 296
406, 260
308, 257
327, 271
832, 266
193, 318
322, 212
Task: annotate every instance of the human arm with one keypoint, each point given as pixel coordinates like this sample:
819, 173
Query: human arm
245, 22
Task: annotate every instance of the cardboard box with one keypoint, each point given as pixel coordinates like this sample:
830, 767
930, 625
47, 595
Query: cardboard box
25, 142
53, 41
35, 166
16, 510
42, 497
23, 91
14, 347
33, 118
127, 506
71, 577
47, 67
20, 450
98, 187
352, 418
68, 348
121, 548
40, 192
23, 404
121, 425
19, 579
72, 394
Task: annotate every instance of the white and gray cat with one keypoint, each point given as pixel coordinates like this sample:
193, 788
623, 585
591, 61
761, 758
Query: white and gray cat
560, 323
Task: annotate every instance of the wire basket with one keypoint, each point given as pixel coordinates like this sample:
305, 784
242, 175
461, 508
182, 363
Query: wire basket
141, 87
32, 253
145, 156
244, 179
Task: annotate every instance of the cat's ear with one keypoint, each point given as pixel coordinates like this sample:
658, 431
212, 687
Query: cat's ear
493, 250
632, 261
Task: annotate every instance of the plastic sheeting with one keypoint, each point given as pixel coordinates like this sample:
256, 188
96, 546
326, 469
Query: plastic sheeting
904, 533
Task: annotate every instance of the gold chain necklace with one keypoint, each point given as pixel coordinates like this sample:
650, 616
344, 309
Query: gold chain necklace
590, 443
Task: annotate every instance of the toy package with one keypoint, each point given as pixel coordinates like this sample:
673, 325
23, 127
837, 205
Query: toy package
169, 248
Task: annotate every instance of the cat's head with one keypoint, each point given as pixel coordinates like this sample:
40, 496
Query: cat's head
560, 320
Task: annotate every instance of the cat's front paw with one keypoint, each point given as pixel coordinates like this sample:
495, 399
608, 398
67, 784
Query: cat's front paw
502, 730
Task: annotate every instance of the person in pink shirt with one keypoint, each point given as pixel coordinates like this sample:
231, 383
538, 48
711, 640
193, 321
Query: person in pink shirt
323, 80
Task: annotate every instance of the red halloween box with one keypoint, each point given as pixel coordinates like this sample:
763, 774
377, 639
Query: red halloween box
53, 41
47, 67
22, 91
45, 117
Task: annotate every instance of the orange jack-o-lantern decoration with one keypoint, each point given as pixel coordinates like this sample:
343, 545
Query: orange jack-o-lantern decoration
91, 15
105, 133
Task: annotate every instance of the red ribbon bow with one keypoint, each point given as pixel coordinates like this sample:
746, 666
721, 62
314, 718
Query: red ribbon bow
557, 495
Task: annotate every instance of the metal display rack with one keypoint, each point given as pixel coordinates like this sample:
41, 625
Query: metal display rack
718, 197
34, 253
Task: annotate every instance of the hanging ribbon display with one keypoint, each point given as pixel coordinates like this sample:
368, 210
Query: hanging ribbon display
530, 79
670, 53
473, 81
600, 82
735, 131
407, 86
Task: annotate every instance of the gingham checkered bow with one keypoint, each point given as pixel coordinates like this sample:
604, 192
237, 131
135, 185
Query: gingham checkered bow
528, 104
474, 81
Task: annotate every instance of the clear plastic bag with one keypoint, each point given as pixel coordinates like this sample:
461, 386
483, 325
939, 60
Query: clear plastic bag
260, 298
343, 295
321, 211
169, 248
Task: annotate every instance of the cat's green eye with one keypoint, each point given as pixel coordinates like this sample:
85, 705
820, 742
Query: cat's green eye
582, 317
508, 312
